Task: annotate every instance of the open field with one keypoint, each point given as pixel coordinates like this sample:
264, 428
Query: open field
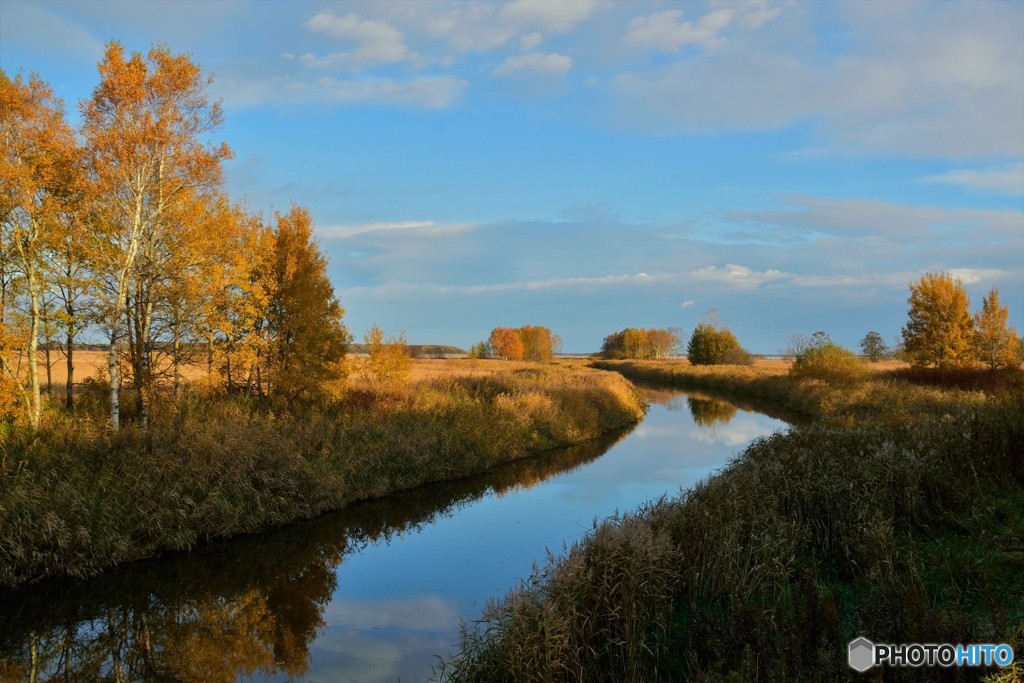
897, 513
76, 497
94, 364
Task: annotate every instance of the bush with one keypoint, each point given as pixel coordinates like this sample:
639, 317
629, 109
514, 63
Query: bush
712, 346
829, 362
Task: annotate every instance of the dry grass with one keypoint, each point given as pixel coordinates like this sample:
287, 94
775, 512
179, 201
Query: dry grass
91, 364
898, 514
75, 497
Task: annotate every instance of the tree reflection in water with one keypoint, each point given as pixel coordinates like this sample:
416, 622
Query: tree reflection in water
707, 412
234, 608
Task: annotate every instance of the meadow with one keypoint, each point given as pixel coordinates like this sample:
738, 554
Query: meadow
896, 513
76, 496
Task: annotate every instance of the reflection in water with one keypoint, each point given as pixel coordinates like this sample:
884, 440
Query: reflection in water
235, 608
707, 412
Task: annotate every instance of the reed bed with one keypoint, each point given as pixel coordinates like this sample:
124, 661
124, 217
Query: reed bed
897, 513
75, 497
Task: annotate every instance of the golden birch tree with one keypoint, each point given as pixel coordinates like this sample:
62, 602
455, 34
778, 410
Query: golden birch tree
36, 151
145, 128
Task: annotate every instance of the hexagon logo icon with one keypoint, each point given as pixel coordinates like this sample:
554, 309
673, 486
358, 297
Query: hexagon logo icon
862, 654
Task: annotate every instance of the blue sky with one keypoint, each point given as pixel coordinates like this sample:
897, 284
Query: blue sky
591, 165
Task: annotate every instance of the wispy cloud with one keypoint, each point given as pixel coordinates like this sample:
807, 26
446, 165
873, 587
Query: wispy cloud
425, 92
485, 26
1008, 179
666, 31
412, 227
535, 63
880, 221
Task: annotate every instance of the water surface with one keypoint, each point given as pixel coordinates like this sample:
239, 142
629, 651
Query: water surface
376, 592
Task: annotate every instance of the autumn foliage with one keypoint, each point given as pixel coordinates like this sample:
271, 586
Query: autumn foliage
126, 229
389, 363
640, 343
506, 344
996, 343
940, 329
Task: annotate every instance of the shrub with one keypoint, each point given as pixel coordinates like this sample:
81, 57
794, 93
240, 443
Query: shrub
830, 362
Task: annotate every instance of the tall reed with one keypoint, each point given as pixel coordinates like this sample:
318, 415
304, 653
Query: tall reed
897, 514
75, 497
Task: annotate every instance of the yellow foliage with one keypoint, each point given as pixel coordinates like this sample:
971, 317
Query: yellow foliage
995, 342
389, 364
940, 329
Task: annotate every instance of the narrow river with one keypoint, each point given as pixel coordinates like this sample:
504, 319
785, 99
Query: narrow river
373, 593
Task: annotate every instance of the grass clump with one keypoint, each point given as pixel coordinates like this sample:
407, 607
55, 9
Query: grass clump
897, 513
75, 497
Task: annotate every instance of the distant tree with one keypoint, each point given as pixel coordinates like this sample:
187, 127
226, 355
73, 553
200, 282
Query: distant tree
506, 343
940, 328
796, 344
389, 363
538, 343
309, 338
612, 347
712, 346
638, 343
873, 346
479, 350
995, 342
820, 338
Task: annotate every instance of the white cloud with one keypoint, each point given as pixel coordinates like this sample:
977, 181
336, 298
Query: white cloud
478, 26
689, 303
973, 276
379, 42
530, 41
535, 63
556, 16
1008, 179
417, 227
919, 79
741, 277
665, 31
756, 13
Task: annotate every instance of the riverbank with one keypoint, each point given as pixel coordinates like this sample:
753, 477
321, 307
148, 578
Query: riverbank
896, 514
75, 498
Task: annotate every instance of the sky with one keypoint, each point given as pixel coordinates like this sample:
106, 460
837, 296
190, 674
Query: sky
590, 165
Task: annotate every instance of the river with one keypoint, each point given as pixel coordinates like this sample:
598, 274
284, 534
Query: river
376, 592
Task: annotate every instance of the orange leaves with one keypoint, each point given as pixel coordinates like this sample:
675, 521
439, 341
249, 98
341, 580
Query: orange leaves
506, 344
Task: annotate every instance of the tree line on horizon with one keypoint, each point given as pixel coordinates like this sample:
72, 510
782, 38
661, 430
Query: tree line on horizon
125, 226
529, 342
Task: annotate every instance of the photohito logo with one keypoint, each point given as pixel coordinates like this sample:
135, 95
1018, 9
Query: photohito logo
864, 654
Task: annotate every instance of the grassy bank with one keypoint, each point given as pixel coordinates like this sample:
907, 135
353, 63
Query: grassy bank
897, 514
75, 498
